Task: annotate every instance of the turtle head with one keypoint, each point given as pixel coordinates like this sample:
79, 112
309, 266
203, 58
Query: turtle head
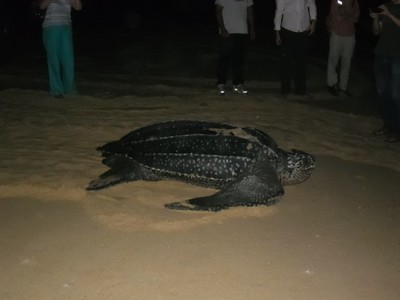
297, 167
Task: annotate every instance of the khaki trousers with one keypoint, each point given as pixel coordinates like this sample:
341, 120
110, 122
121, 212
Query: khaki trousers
341, 48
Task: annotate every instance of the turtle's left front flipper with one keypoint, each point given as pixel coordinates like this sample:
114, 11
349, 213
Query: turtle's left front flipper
261, 187
122, 169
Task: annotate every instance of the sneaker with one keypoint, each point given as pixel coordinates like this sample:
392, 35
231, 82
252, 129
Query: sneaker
392, 138
283, 95
221, 89
240, 89
333, 90
305, 96
346, 92
381, 131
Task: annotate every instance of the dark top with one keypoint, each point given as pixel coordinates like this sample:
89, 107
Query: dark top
389, 40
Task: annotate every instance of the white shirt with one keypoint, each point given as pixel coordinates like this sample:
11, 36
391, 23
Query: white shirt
294, 15
234, 13
58, 13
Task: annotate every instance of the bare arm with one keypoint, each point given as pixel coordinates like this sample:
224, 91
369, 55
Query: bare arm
43, 3
387, 13
280, 6
356, 11
250, 19
76, 4
220, 21
376, 25
313, 16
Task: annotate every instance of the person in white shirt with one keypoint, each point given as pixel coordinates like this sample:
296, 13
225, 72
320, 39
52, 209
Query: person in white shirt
294, 21
236, 21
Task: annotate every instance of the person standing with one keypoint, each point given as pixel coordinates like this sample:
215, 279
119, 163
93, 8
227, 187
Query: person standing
343, 14
294, 21
235, 20
57, 39
386, 24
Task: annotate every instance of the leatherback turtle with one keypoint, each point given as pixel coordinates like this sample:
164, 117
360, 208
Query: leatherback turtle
244, 164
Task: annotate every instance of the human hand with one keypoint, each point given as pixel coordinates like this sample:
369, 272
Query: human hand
278, 39
224, 33
384, 9
380, 10
373, 15
311, 28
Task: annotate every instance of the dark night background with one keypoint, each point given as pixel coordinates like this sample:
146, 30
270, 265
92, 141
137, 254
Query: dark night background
171, 31
101, 15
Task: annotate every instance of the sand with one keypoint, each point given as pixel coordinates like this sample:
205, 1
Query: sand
335, 236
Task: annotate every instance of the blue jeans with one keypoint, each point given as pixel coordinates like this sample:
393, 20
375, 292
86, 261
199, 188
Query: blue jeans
60, 59
387, 76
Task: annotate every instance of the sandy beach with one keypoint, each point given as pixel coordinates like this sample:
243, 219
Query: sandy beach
334, 237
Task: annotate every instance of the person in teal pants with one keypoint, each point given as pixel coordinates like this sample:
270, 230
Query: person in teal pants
57, 39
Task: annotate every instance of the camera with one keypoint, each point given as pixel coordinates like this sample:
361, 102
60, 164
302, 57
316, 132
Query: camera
376, 10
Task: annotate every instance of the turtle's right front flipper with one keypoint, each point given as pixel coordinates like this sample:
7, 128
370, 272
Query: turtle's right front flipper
259, 188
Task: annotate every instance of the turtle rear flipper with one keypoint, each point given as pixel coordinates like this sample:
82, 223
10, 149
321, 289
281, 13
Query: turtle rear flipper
262, 188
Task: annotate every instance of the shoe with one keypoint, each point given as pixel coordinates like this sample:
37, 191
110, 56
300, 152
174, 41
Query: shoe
305, 96
346, 92
381, 131
240, 89
392, 138
221, 89
59, 96
283, 95
333, 90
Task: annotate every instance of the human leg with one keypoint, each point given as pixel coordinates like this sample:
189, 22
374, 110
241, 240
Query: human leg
396, 92
347, 55
67, 60
300, 63
51, 41
223, 60
384, 86
333, 59
394, 135
287, 59
238, 50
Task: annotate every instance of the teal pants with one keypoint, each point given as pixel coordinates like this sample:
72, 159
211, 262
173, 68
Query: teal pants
60, 59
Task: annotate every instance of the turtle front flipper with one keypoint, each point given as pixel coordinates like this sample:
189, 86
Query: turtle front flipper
122, 169
260, 188
107, 179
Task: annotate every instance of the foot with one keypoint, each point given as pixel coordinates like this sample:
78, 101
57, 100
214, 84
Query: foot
333, 90
346, 92
240, 89
221, 89
305, 96
283, 96
381, 131
393, 137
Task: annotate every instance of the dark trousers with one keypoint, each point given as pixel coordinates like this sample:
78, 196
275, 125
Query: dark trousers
387, 76
231, 54
293, 47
